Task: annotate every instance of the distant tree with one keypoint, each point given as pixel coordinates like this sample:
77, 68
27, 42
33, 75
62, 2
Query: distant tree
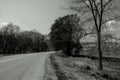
33, 41
65, 34
14, 41
8, 40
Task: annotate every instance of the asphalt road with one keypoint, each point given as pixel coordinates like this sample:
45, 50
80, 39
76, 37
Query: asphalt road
23, 67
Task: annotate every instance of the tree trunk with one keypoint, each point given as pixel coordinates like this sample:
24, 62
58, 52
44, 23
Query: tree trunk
100, 66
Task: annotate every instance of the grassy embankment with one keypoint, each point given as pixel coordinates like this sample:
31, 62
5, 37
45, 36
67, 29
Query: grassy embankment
62, 67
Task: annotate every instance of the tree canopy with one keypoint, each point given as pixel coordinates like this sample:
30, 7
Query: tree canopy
14, 41
66, 33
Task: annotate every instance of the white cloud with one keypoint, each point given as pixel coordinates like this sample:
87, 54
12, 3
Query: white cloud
3, 24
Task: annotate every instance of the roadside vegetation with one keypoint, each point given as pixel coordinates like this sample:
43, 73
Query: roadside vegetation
15, 41
66, 33
97, 60
82, 68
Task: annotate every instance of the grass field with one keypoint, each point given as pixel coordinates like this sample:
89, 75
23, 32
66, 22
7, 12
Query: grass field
84, 68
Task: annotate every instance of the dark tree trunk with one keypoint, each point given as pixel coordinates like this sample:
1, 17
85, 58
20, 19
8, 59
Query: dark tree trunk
100, 66
67, 49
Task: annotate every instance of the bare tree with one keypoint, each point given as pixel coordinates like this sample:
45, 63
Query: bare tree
98, 12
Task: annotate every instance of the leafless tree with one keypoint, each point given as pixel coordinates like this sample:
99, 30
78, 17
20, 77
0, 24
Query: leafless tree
98, 12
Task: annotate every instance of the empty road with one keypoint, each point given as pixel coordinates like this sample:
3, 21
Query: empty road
23, 67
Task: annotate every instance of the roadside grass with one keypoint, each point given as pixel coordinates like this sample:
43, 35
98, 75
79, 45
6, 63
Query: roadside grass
63, 72
49, 70
84, 68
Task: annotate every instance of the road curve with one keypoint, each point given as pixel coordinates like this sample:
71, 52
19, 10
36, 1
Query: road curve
23, 67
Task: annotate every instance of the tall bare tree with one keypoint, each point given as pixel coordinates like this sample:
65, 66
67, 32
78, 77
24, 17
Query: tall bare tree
98, 12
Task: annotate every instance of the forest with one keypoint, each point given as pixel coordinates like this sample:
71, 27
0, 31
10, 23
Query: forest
15, 41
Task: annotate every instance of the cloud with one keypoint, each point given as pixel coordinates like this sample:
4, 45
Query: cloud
3, 24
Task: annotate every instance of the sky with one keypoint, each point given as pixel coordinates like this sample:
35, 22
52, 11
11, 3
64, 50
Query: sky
37, 14
32, 14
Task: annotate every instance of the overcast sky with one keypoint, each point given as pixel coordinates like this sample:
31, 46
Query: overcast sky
34, 14
30, 14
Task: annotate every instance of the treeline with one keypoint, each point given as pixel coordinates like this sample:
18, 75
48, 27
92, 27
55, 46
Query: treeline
15, 41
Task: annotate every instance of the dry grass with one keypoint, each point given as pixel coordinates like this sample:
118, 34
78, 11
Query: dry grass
81, 68
66, 71
50, 72
60, 69
88, 67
